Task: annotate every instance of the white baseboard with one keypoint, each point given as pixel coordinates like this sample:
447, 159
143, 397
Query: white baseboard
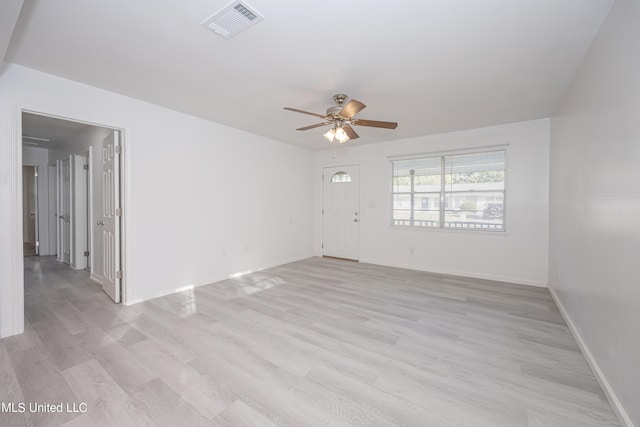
6, 332
216, 279
618, 409
494, 277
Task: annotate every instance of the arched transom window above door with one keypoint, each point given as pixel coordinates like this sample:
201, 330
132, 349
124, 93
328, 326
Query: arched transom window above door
340, 177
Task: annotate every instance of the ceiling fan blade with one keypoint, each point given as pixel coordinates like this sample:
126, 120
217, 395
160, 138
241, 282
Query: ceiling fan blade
350, 132
352, 108
304, 112
375, 124
314, 126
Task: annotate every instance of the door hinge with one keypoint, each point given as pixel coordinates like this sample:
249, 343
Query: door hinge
323, 246
118, 212
119, 274
118, 149
322, 179
85, 167
86, 253
322, 211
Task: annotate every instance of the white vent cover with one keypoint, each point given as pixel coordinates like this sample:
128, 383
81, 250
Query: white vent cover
232, 19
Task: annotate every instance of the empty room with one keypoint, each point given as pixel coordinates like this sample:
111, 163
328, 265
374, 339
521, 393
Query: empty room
337, 213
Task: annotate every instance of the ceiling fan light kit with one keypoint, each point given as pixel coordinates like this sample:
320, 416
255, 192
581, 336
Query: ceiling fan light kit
337, 134
342, 117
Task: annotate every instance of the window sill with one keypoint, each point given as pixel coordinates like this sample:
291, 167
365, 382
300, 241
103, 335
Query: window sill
450, 230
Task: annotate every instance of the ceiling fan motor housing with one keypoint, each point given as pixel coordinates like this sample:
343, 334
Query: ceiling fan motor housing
331, 111
340, 98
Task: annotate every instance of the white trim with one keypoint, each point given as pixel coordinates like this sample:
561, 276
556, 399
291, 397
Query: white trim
218, 279
6, 332
452, 151
615, 403
126, 243
17, 254
472, 275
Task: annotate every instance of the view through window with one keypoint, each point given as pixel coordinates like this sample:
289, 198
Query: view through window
457, 191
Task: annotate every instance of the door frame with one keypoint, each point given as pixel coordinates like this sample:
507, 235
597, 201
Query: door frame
17, 252
322, 197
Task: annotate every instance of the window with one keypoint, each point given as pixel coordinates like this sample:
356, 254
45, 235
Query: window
341, 177
464, 191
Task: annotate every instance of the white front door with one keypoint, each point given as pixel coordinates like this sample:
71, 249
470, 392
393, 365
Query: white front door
111, 214
341, 212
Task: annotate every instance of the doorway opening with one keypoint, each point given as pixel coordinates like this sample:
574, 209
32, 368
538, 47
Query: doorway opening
74, 218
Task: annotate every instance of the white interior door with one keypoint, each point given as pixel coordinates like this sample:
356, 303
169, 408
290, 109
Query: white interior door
52, 211
341, 212
97, 246
36, 209
87, 208
64, 217
111, 215
78, 212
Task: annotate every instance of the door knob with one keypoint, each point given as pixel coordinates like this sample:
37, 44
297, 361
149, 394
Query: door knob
355, 220
100, 222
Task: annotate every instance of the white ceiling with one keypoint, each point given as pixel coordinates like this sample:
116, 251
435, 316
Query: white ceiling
432, 66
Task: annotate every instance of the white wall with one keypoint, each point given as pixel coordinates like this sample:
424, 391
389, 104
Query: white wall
202, 200
595, 206
34, 156
518, 255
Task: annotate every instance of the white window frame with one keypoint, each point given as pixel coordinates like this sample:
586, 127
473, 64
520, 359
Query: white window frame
443, 193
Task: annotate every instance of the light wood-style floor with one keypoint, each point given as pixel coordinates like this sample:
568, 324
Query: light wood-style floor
313, 343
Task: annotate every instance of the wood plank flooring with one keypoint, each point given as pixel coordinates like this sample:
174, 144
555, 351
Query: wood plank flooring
319, 342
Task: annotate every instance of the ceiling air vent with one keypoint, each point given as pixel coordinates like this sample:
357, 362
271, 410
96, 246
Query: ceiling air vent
232, 19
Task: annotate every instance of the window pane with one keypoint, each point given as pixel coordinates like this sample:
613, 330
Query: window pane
478, 172
427, 182
428, 166
341, 177
401, 215
474, 210
426, 211
427, 219
402, 201
426, 202
426, 173
421, 219
401, 184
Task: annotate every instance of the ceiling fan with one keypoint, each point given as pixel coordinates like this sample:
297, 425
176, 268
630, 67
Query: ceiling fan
341, 118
